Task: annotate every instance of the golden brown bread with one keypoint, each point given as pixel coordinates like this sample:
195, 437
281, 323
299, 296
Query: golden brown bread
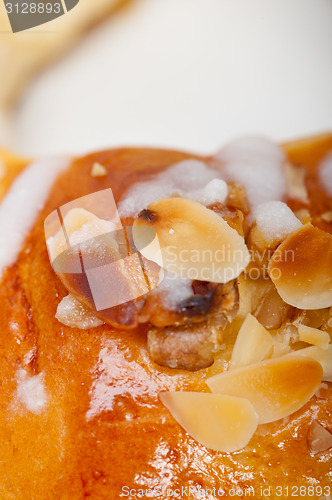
104, 430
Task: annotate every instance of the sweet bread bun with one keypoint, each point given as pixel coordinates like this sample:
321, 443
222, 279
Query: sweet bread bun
80, 408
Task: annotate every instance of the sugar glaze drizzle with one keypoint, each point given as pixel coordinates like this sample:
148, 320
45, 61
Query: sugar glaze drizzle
22, 203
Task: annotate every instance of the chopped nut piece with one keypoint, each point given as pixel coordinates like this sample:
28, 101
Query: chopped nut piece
98, 170
322, 391
327, 216
251, 293
205, 301
282, 340
73, 313
295, 180
301, 268
272, 311
237, 197
303, 215
190, 347
253, 344
313, 336
276, 388
319, 438
202, 245
222, 423
314, 318
233, 216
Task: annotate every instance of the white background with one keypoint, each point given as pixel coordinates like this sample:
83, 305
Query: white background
187, 74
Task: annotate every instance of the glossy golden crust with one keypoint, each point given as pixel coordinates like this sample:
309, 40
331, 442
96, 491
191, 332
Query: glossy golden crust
104, 428
10, 167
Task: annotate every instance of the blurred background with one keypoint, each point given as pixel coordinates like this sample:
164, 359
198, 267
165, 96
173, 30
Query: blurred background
186, 74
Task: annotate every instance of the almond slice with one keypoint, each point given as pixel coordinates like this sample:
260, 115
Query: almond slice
222, 423
296, 185
322, 356
313, 336
253, 343
195, 242
276, 388
301, 268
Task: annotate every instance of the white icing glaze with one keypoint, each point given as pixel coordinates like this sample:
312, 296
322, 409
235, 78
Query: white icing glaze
181, 179
275, 220
25, 198
326, 173
258, 164
31, 391
174, 290
215, 191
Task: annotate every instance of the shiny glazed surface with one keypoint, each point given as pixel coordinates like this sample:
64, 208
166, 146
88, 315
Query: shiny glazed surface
103, 427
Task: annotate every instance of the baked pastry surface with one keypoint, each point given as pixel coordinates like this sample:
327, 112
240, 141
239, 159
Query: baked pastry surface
103, 430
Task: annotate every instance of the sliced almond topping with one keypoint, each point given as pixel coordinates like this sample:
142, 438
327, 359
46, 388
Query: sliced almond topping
98, 170
253, 343
313, 336
301, 268
222, 423
276, 388
295, 180
195, 242
303, 215
319, 438
322, 356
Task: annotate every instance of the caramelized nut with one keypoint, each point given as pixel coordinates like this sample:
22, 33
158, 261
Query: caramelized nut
188, 347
